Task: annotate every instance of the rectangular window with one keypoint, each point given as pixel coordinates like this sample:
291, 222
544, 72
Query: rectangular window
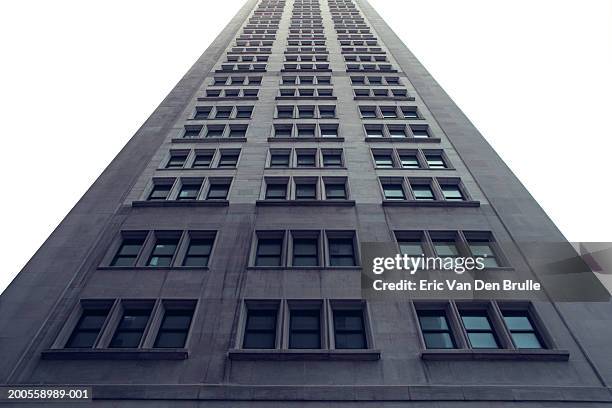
88, 328
422, 192
388, 112
306, 159
332, 159
383, 160
410, 161
218, 190
368, 112
192, 132
285, 112
202, 112
189, 190
176, 161
269, 252
305, 329
276, 191
238, 131
327, 112
306, 131
335, 191
393, 191
481, 248
305, 252
305, 190
452, 192
411, 246
215, 131
131, 328
435, 329
435, 161
128, 252
198, 252
160, 191
397, 131
341, 252
244, 112
410, 112
478, 328
163, 252
228, 159
174, 328
223, 112
349, 329
419, 132
445, 247
329, 130
279, 159
519, 324
202, 160
260, 329
374, 131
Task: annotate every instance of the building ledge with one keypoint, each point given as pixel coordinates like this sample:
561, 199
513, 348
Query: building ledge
439, 203
304, 355
181, 203
403, 139
115, 354
306, 139
514, 355
209, 140
306, 203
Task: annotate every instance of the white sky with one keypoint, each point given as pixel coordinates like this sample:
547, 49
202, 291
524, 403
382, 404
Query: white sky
78, 78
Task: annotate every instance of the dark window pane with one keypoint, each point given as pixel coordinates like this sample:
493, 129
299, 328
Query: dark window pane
198, 252
160, 192
260, 329
335, 191
176, 161
276, 191
202, 160
88, 328
228, 160
332, 160
305, 329
422, 192
383, 160
218, 191
452, 192
526, 340
433, 322
82, 339
279, 160
305, 191
482, 340
440, 340
127, 253
131, 328
341, 252
269, 252
163, 252
174, 328
171, 340
305, 252
394, 192
349, 330
189, 192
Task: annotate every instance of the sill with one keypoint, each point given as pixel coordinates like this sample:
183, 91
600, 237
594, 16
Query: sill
210, 140
288, 98
304, 71
186, 203
439, 203
232, 169
227, 98
304, 355
415, 169
306, 139
284, 169
115, 354
153, 268
294, 52
381, 98
308, 268
306, 203
514, 355
386, 139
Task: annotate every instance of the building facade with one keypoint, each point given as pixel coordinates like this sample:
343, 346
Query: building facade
217, 260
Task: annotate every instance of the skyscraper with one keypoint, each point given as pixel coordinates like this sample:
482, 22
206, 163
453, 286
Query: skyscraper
217, 260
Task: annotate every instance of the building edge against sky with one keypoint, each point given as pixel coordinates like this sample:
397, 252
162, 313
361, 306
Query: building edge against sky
215, 262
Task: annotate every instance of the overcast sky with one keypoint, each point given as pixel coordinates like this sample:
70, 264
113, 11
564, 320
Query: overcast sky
78, 78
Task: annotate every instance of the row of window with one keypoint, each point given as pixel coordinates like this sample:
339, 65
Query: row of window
305, 80
306, 50
215, 131
247, 58
423, 189
374, 93
295, 248
236, 80
129, 324
242, 67
305, 57
306, 92
188, 189
305, 111
305, 67
365, 58
375, 80
232, 93
201, 159
397, 131
305, 188
389, 112
409, 159
300, 158
304, 130
222, 112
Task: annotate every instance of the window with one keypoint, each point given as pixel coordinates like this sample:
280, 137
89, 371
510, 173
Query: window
368, 112
410, 112
374, 131
131, 327
445, 247
160, 191
305, 251
163, 252
393, 191
383, 160
306, 131
332, 159
412, 247
410, 161
282, 130
349, 329
481, 248
128, 251
244, 112
218, 190
327, 112
176, 161
419, 132
329, 130
189, 190
174, 328
260, 329
306, 159
215, 131
305, 190
198, 252
202, 160
269, 251
306, 112
279, 159
435, 329
88, 327
285, 112
341, 252
452, 192
435, 161
228, 159
276, 191
238, 131
335, 190
521, 329
202, 112
478, 329
422, 192
223, 112
305, 329
388, 112
397, 131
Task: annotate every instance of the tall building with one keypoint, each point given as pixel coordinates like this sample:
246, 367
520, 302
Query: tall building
217, 261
